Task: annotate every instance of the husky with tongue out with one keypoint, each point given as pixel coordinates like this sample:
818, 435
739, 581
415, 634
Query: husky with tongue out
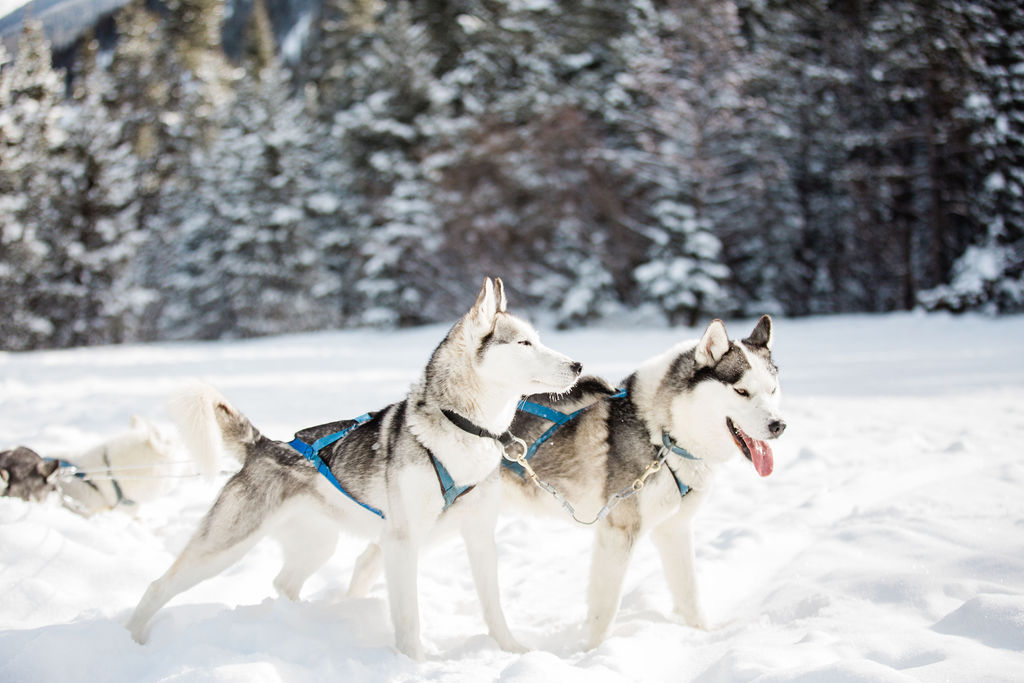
700, 403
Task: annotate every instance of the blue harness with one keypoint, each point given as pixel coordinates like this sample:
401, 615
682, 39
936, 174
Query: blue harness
558, 419
84, 478
311, 452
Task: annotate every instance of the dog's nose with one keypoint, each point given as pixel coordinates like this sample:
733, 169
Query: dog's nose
776, 427
577, 367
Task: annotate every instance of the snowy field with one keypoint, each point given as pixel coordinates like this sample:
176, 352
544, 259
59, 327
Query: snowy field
888, 545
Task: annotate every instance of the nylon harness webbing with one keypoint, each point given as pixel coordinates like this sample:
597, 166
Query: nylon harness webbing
312, 454
449, 491
117, 487
77, 473
559, 419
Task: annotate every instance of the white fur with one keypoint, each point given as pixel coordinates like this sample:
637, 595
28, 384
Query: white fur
696, 420
192, 408
484, 389
145, 462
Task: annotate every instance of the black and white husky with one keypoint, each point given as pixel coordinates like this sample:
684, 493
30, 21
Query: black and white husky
697, 405
121, 472
400, 468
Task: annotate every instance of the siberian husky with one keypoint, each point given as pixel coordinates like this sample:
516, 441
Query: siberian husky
453, 424
127, 469
25, 474
698, 404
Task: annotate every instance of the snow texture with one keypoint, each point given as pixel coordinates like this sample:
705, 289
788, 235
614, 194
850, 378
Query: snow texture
886, 546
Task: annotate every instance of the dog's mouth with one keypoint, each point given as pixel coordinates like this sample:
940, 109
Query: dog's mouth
757, 452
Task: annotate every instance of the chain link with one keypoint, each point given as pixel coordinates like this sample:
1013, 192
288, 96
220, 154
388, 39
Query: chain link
616, 498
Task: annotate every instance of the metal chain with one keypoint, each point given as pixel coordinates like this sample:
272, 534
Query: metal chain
615, 499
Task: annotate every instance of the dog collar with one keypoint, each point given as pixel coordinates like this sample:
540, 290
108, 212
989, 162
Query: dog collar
506, 439
670, 444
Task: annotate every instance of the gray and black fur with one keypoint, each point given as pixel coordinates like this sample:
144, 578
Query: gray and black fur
488, 360
695, 394
25, 474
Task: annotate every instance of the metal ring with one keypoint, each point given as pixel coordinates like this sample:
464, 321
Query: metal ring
516, 441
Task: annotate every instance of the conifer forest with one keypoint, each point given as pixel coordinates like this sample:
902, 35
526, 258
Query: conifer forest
203, 169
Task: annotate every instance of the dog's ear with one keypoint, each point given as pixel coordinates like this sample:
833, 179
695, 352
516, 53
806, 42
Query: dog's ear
499, 295
486, 306
46, 468
761, 337
713, 345
6, 476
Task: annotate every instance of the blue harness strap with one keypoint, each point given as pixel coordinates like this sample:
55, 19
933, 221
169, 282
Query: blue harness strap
449, 490
84, 478
312, 453
681, 452
556, 417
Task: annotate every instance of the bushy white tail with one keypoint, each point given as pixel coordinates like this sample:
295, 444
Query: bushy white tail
208, 424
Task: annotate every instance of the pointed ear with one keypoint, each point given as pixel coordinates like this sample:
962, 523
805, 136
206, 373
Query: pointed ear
761, 337
713, 345
499, 295
486, 306
5, 475
46, 468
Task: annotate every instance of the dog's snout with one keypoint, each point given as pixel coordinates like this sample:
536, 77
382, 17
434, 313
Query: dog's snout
776, 427
576, 367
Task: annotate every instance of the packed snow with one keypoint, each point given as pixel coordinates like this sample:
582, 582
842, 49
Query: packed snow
888, 545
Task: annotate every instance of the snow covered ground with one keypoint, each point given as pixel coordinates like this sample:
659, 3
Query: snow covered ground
888, 545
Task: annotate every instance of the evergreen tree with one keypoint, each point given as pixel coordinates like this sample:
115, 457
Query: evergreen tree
687, 73
98, 237
379, 103
32, 283
258, 39
990, 272
249, 259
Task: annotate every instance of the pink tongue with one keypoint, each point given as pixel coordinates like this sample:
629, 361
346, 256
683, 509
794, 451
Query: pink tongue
761, 454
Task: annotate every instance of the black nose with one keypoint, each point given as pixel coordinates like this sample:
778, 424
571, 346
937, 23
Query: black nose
577, 367
776, 427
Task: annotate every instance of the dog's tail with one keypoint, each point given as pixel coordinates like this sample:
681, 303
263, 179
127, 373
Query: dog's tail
207, 423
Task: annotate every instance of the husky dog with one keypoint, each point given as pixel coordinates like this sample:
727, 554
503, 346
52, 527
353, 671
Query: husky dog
702, 402
389, 467
25, 474
126, 469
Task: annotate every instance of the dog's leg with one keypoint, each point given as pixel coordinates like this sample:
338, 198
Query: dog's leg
401, 556
674, 540
307, 542
200, 560
368, 568
232, 526
613, 546
478, 534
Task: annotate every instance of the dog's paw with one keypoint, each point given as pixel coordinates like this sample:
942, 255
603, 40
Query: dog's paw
694, 618
413, 651
512, 645
139, 635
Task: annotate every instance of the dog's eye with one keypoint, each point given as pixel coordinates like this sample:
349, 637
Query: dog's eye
526, 342
742, 392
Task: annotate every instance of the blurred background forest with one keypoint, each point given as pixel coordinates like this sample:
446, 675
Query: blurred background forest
228, 168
